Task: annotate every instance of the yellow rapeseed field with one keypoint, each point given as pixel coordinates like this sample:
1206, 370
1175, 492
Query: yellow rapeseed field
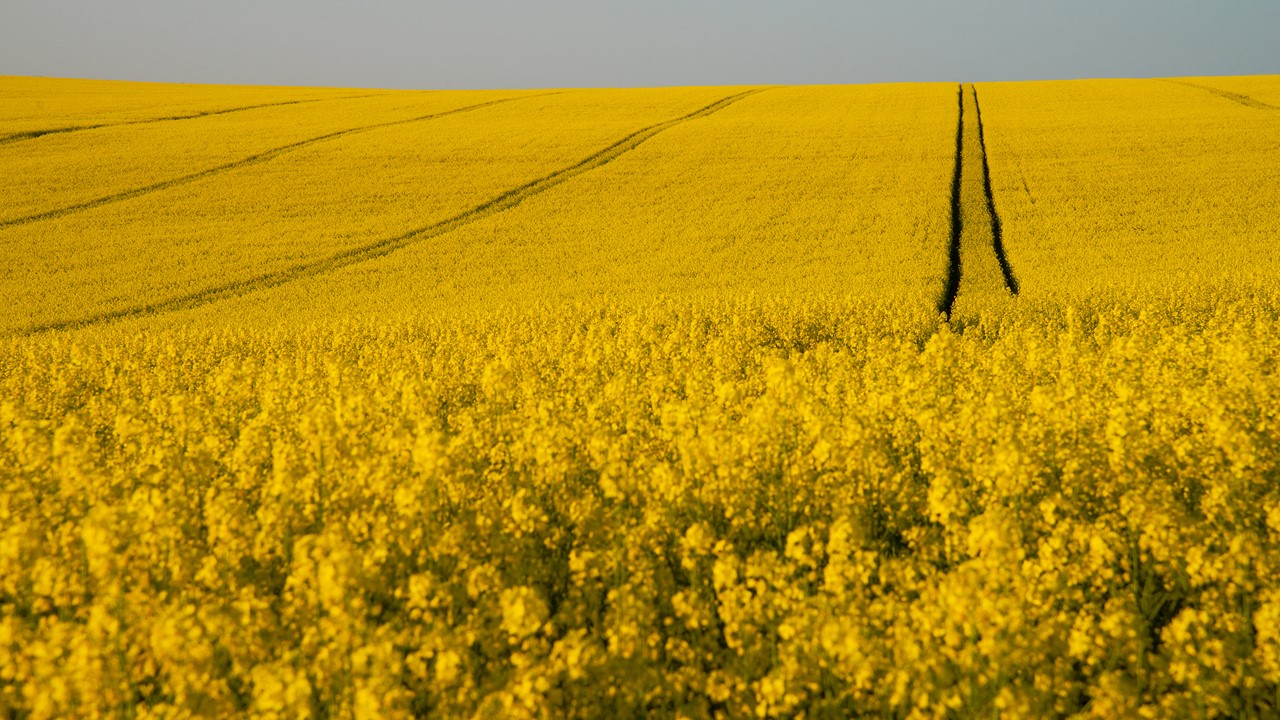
918, 400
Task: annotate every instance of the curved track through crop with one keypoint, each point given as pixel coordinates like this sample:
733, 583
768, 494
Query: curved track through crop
33, 134
244, 162
380, 248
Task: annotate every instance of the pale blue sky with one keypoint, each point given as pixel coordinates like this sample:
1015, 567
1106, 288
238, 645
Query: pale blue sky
575, 43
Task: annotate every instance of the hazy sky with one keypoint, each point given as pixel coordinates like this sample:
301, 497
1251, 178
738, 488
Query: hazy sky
508, 44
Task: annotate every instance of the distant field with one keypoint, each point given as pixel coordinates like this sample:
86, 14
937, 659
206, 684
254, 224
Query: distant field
916, 400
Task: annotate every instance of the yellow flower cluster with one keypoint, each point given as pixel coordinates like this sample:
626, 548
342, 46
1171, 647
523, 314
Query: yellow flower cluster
689, 509
593, 403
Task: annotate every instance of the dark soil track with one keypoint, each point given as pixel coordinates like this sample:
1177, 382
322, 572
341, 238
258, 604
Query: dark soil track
969, 239
242, 163
380, 248
33, 134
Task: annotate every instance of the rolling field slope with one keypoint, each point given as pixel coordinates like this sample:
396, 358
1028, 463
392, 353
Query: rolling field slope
922, 400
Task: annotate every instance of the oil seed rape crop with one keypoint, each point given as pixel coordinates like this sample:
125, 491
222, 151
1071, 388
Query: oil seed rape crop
638, 403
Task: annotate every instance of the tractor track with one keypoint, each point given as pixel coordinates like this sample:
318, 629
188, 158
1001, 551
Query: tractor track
952, 287
238, 164
500, 203
33, 134
963, 244
1234, 97
997, 230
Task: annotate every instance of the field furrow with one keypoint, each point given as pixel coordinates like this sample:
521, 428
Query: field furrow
237, 165
997, 231
1234, 97
75, 169
506, 200
33, 134
311, 203
952, 288
38, 104
979, 265
1262, 88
